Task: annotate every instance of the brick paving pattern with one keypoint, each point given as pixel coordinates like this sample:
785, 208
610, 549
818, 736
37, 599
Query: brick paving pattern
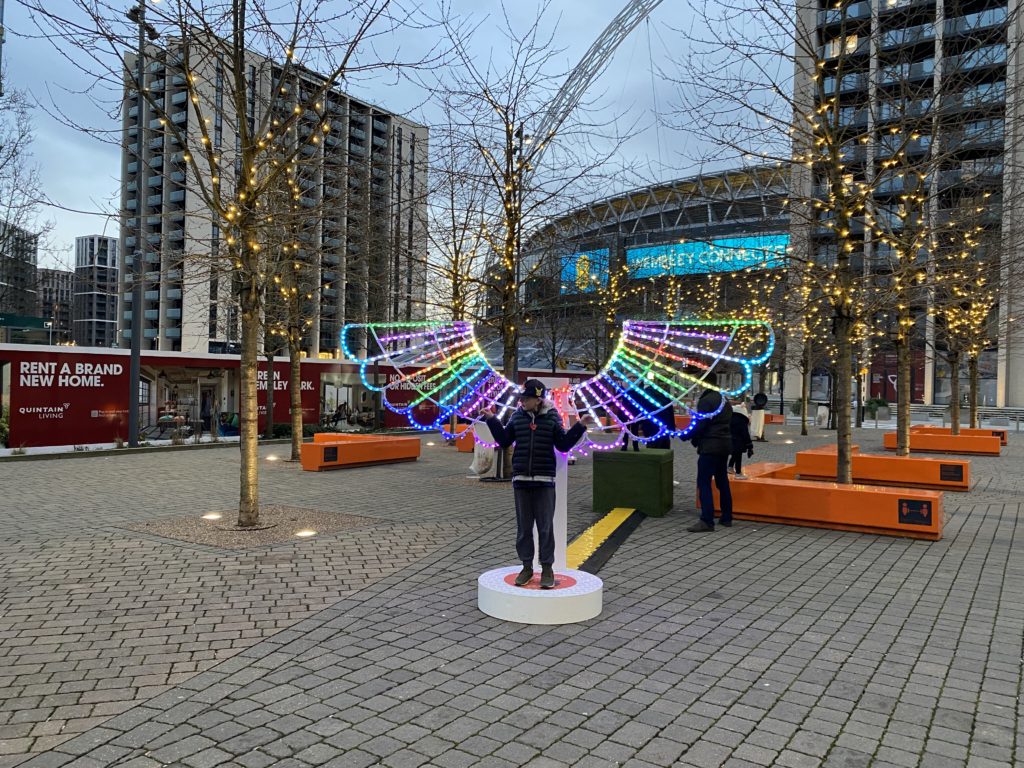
758, 645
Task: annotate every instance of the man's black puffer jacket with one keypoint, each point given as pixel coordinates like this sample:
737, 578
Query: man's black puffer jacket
536, 436
713, 435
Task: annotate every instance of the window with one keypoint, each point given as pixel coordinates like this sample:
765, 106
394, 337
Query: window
841, 45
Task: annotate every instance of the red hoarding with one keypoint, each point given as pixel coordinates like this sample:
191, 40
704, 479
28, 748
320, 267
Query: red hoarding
63, 399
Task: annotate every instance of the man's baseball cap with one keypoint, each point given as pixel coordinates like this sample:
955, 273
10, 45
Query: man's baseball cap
533, 388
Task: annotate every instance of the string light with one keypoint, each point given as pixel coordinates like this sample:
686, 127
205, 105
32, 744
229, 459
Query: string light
654, 365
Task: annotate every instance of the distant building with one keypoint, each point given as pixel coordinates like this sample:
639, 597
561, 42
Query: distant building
363, 180
94, 301
54, 286
19, 255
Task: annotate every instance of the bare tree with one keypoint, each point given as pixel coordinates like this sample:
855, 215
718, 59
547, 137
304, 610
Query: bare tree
21, 196
234, 59
867, 127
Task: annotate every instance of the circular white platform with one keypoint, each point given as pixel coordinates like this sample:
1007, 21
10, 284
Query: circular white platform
575, 597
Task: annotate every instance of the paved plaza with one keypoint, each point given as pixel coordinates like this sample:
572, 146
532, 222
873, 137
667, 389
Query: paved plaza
758, 645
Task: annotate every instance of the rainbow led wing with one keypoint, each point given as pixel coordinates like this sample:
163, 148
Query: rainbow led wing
657, 364
428, 363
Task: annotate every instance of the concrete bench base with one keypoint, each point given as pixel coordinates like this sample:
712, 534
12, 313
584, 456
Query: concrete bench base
930, 430
335, 451
906, 512
900, 471
939, 443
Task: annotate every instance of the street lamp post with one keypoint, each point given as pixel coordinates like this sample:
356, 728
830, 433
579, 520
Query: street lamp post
138, 15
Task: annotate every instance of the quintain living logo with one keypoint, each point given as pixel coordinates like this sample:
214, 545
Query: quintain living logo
583, 272
46, 411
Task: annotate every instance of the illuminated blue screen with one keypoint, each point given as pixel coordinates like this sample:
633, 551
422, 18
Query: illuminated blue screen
584, 271
697, 258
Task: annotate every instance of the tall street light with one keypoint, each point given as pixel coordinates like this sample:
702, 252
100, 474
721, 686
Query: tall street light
137, 14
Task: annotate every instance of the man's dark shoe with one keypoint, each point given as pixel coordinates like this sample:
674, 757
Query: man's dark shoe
700, 527
547, 577
726, 523
524, 576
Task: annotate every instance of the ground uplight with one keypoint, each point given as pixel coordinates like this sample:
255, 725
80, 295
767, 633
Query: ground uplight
212, 516
305, 533
272, 457
429, 443
788, 442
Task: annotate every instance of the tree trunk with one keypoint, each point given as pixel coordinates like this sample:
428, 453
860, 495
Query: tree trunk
954, 392
268, 427
249, 498
860, 396
805, 386
295, 391
972, 367
842, 392
903, 395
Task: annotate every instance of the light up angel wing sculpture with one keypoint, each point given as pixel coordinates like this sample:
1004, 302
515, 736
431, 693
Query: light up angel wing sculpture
437, 363
655, 365
661, 364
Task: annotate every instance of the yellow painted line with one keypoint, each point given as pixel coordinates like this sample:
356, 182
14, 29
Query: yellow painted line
584, 545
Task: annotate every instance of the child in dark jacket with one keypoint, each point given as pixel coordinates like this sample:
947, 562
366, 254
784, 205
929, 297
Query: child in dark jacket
536, 431
711, 436
741, 442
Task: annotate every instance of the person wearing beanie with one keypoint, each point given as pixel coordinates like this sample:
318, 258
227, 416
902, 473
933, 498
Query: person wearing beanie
536, 431
741, 442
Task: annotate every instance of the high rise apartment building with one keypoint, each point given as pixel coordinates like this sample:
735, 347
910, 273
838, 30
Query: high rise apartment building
19, 257
363, 182
931, 85
54, 286
94, 299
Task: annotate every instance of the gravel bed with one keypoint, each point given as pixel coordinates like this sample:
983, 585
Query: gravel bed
278, 524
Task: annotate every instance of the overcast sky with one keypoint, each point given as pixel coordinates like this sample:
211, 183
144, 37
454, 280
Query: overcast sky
81, 172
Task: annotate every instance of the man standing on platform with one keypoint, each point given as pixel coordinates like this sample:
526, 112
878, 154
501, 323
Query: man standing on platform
713, 439
536, 431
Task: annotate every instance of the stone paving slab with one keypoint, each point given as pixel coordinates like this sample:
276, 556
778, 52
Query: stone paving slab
757, 645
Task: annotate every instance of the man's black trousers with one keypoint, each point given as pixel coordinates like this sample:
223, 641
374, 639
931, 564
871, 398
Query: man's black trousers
535, 505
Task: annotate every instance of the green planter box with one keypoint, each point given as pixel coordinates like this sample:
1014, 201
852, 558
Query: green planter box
638, 479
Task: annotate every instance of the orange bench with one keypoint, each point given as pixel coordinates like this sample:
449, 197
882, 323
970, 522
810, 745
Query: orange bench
986, 445
682, 422
463, 437
930, 430
767, 497
913, 471
331, 450
774, 418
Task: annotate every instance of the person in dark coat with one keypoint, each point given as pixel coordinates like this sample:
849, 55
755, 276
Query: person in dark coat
536, 431
713, 439
741, 442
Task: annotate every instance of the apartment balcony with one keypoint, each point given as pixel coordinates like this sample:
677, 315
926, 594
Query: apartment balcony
133, 111
975, 22
155, 181
381, 125
151, 314
177, 196
173, 314
987, 56
181, 97
174, 274
855, 81
131, 205
357, 149
157, 143
903, 36
156, 123
178, 80
154, 201
151, 296
174, 294
150, 333
900, 73
129, 242
853, 11
357, 133
172, 333
131, 186
132, 167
